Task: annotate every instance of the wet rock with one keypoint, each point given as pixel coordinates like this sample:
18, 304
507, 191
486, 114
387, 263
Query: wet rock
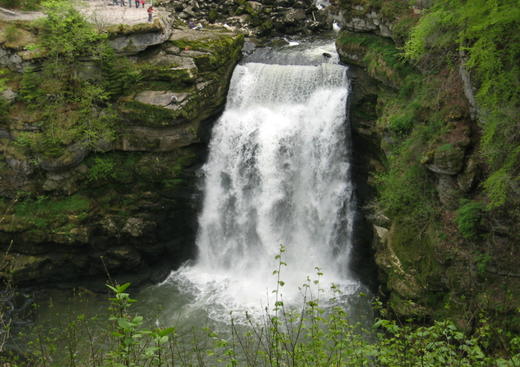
139, 138
360, 25
126, 257
110, 226
23, 267
4, 134
132, 225
292, 16
469, 91
66, 182
398, 279
11, 60
255, 5
173, 50
76, 235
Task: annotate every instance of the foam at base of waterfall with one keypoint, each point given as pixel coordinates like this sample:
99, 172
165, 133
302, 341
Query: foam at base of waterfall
223, 295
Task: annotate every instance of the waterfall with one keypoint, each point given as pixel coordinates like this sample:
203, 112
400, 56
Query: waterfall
278, 173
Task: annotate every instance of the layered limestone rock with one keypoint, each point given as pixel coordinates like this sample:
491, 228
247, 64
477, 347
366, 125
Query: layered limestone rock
124, 202
15, 53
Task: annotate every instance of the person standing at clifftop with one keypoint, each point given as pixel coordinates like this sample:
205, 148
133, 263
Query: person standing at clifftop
150, 13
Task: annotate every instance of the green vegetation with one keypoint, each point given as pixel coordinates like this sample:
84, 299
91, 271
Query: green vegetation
102, 169
120, 74
449, 186
44, 212
380, 56
468, 218
69, 108
317, 333
486, 32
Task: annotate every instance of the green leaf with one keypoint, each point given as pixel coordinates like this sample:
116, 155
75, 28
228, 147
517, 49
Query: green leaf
124, 324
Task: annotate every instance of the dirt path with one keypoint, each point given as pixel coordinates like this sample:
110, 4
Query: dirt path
105, 12
99, 12
9, 15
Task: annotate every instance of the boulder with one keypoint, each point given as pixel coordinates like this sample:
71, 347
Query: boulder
134, 227
133, 43
9, 95
21, 166
292, 16
448, 159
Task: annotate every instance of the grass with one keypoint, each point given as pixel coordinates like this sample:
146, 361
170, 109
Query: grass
45, 212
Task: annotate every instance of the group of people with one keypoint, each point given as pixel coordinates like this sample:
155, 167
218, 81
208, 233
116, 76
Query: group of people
150, 9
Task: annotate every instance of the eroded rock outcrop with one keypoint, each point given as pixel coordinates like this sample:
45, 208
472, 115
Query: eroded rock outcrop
126, 201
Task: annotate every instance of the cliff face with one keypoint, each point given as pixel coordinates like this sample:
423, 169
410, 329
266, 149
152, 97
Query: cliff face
118, 196
440, 247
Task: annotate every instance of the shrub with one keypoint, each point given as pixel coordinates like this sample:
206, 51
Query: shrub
497, 185
102, 169
402, 123
311, 336
468, 218
69, 109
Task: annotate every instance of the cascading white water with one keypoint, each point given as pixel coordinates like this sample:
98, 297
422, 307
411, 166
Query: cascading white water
277, 174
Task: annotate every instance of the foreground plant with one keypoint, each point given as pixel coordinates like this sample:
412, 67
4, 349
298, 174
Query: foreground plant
316, 333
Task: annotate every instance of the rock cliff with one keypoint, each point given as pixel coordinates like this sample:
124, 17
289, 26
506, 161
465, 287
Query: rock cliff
439, 252
76, 210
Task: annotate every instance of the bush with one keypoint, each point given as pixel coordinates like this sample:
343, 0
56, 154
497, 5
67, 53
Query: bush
69, 109
468, 218
102, 169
